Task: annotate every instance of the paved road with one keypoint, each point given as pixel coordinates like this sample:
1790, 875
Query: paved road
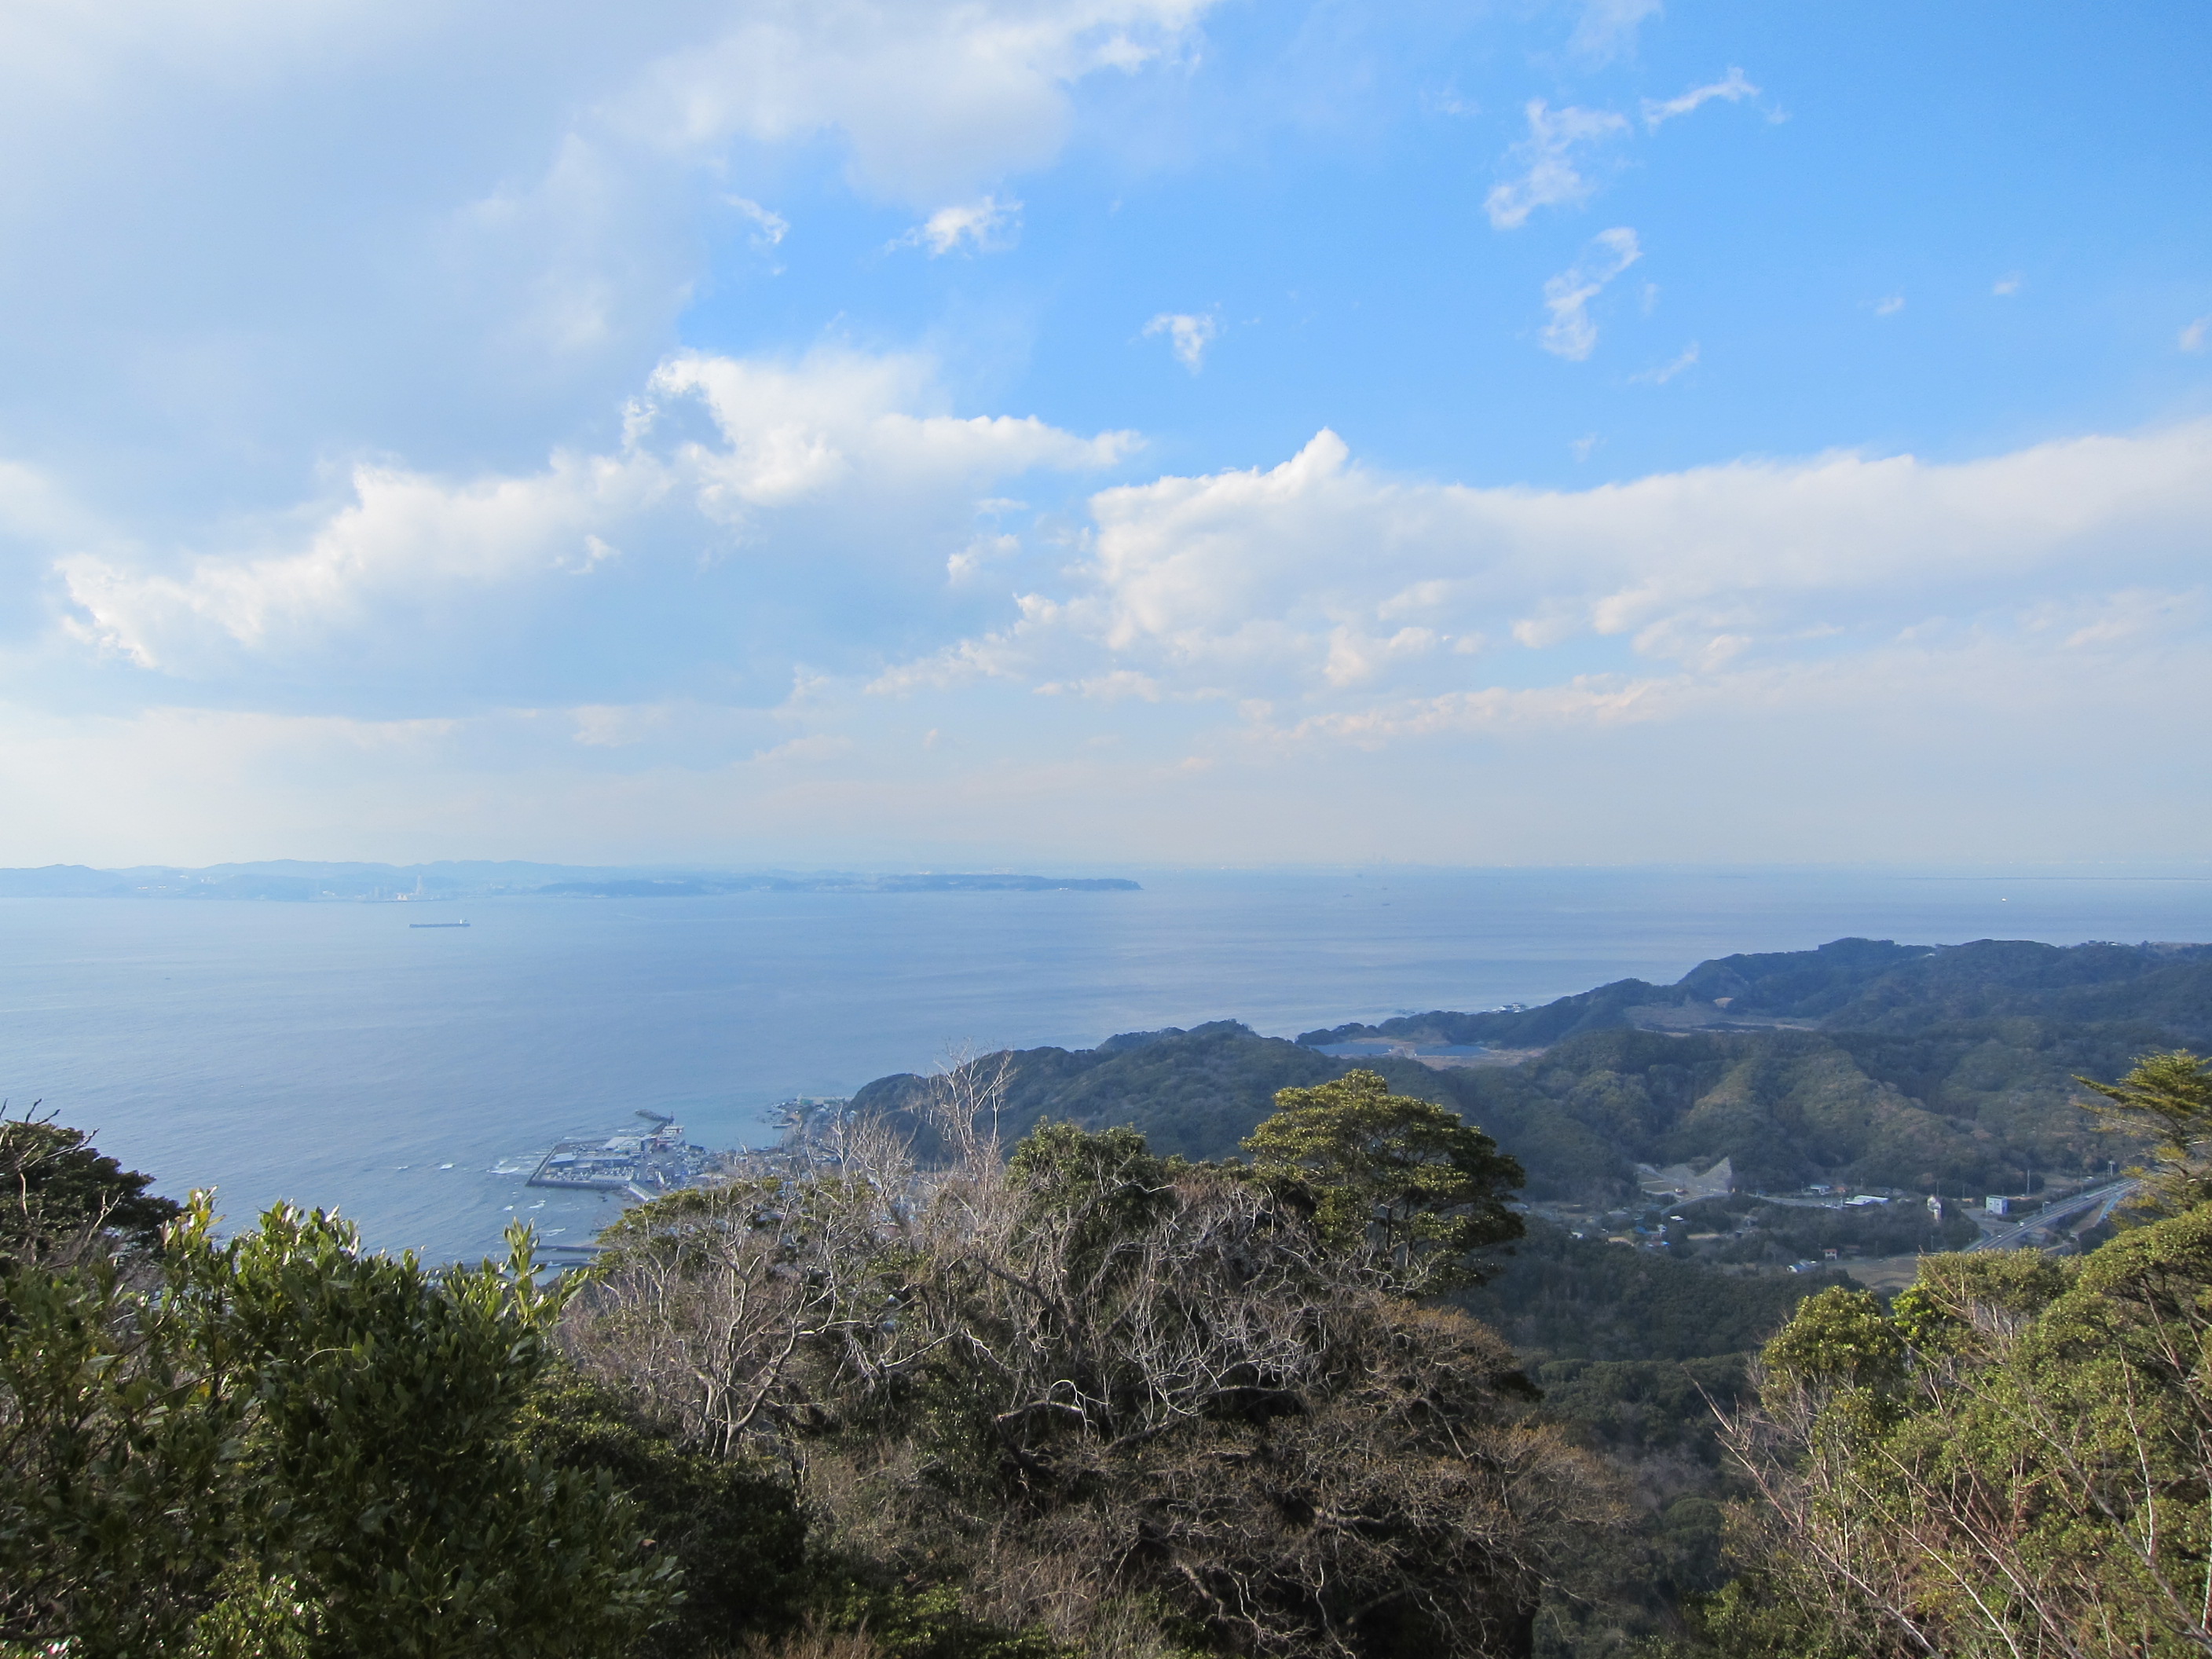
2034, 1232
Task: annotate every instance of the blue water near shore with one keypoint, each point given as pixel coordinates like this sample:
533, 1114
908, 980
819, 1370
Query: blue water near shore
332, 1054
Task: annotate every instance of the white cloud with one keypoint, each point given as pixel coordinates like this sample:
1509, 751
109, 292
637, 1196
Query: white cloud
1355, 657
1571, 333
2007, 285
1549, 175
1905, 753
933, 96
1110, 687
1731, 88
769, 229
1188, 335
1667, 371
2191, 337
971, 560
400, 533
281, 268
1236, 582
1607, 29
801, 465
815, 746
987, 225
1889, 305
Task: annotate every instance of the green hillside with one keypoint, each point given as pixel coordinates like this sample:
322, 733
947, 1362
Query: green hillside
1933, 1068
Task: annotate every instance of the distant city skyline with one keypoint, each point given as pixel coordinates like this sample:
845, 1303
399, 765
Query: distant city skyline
1084, 432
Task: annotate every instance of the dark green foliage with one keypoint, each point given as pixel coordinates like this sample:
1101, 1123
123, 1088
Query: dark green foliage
2013, 1459
1869, 985
1194, 1093
1774, 1235
56, 1191
1631, 1409
1598, 1010
901, 1622
1915, 1067
291, 1444
733, 1532
2167, 1099
1403, 1179
1578, 1298
1950, 1070
1104, 1188
379, 1462
1754, 1616
1799, 984
1786, 1108
118, 1451
1634, 1352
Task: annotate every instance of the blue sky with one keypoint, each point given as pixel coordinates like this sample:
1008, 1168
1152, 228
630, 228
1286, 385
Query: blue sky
1105, 431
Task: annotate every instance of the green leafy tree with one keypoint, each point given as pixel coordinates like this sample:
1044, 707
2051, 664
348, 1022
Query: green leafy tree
118, 1427
2166, 1099
731, 1524
2016, 1459
57, 1193
380, 1469
1403, 1180
291, 1444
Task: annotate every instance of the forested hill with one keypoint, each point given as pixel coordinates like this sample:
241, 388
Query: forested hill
1925, 1068
1858, 985
1195, 1092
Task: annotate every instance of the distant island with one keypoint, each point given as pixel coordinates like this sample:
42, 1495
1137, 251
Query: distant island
297, 881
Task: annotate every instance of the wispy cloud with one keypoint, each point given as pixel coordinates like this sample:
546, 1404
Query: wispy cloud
769, 228
987, 225
1106, 688
2008, 285
1549, 175
1889, 305
1188, 335
1732, 87
2192, 335
1667, 371
1571, 333
1607, 29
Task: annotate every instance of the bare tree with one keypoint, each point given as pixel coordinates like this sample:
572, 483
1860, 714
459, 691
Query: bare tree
1090, 1381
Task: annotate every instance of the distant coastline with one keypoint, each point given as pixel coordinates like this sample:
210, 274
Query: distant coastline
293, 881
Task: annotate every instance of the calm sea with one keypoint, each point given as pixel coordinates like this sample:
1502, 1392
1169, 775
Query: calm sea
330, 1054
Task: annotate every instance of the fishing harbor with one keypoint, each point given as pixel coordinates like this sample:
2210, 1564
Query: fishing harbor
636, 1166
644, 1165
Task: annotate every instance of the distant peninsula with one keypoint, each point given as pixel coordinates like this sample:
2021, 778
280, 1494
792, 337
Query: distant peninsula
296, 881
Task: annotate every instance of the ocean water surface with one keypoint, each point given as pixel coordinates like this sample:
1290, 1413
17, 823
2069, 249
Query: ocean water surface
331, 1054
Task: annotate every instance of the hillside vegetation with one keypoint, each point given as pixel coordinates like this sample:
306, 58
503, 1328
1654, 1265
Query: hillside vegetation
1083, 1398
959, 1379
1863, 1062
